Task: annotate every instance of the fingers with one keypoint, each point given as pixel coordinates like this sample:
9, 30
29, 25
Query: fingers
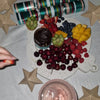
4, 51
6, 56
2, 64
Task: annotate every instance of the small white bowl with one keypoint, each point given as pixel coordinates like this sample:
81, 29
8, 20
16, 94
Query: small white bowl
57, 89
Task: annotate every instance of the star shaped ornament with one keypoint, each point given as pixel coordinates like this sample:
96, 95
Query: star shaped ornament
90, 94
6, 4
30, 78
93, 13
5, 21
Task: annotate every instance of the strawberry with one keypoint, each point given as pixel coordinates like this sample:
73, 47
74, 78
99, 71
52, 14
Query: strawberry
52, 19
46, 17
48, 21
42, 21
9, 61
43, 26
46, 25
56, 19
54, 27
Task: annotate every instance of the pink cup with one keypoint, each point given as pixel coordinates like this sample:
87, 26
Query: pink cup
57, 89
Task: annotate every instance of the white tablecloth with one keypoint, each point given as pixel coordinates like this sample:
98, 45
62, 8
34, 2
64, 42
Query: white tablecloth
16, 41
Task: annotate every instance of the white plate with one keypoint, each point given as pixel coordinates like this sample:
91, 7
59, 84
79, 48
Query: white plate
43, 71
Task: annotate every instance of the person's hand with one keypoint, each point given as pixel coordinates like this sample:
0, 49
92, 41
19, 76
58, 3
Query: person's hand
5, 57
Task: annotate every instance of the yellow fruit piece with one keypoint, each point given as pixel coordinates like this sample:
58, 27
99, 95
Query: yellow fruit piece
83, 38
82, 29
87, 34
62, 33
75, 29
77, 34
88, 30
81, 32
79, 25
85, 26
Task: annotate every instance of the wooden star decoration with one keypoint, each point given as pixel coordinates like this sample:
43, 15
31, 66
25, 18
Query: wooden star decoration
93, 13
90, 94
6, 4
30, 78
6, 22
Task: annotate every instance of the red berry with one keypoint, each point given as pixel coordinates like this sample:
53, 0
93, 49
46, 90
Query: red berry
84, 49
74, 65
67, 61
50, 60
57, 67
70, 57
75, 59
36, 54
40, 51
39, 62
76, 51
69, 52
81, 60
49, 66
63, 67
84, 43
72, 46
81, 51
42, 21
78, 56
69, 68
53, 65
86, 55
79, 47
68, 41
46, 25
74, 41
44, 56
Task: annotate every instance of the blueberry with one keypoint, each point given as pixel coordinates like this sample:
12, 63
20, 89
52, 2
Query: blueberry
68, 25
69, 36
72, 25
65, 23
69, 30
59, 21
65, 30
61, 28
59, 16
62, 18
70, 33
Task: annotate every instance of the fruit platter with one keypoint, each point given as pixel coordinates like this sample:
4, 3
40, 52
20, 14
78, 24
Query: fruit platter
59, 54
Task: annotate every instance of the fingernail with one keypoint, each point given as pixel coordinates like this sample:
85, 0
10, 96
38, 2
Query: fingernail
14, 58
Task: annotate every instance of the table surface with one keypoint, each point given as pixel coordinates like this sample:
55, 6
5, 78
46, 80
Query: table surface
16, 42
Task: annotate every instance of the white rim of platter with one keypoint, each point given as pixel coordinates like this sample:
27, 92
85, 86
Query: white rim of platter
42, 70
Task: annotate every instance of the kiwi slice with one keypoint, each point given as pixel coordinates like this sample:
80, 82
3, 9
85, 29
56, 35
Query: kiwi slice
58, 40
31, 23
